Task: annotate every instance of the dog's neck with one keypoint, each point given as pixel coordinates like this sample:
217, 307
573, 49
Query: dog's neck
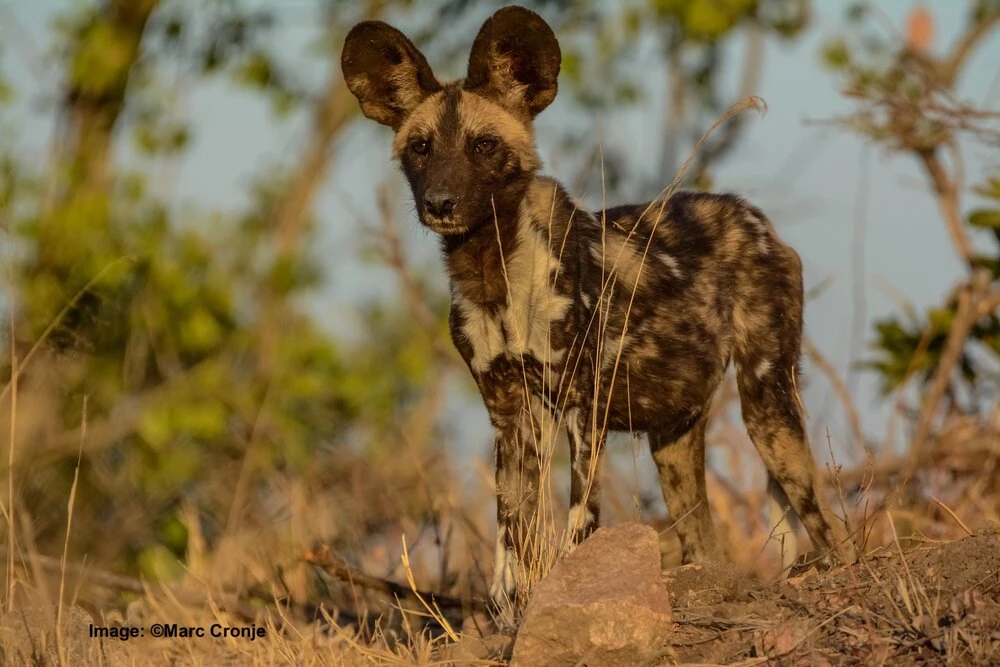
477, 260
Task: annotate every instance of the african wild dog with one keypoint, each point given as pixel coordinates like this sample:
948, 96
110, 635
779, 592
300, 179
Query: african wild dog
623, 319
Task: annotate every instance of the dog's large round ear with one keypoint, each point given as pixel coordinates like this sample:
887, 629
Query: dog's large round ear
515, 60
386, 72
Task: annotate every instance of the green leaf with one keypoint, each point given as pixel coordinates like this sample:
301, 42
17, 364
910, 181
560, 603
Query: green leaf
572, 66
203, 420
257, 70
707, 20
6, 91
156, 427
200, 331
632, 22
158, 563
990, 189
984, 217
174, 534
663, 8
941, 319
857, 11
835, 54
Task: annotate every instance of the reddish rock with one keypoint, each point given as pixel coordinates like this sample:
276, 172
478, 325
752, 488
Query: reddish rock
604, 604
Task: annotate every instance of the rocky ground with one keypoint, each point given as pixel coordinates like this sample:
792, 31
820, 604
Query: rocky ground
610, 604
929, 603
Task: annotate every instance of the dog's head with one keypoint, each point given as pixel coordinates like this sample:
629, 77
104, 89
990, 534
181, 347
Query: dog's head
466, 147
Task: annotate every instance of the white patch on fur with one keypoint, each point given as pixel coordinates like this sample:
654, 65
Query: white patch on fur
575, 429
621, 260
764, 244
482, 331
764, 232
506, 569
782, 525
579, 516
533, 306
534, 303
611, 348
671, 263
763, 368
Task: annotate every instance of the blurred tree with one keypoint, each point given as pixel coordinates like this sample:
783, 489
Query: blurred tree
693, 34
907, 103
202, 377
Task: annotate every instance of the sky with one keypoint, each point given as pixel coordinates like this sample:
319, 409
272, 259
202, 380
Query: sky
827, 190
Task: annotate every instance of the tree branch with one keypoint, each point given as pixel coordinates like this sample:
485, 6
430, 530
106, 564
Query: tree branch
948, 201
330, 115
673, 126
93, 110
391, 249
324, 559
970, 300
839, 388
753, 67
950, 67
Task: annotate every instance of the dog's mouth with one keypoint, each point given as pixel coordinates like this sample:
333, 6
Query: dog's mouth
446, 226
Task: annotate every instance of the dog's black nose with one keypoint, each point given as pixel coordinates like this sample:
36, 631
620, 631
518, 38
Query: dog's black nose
440, 203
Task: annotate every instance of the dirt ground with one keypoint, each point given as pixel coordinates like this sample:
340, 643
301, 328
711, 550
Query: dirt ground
920, 602
923, 603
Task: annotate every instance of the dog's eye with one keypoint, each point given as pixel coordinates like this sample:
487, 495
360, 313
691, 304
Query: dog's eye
486, 146
420, 147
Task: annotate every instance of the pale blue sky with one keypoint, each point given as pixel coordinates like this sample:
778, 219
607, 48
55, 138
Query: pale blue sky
806, 177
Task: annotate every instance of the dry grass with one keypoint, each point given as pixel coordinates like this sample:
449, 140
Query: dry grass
932, 603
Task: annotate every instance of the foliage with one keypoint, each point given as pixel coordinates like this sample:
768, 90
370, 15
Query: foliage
913, 347
906, 103
160, 338
690, 37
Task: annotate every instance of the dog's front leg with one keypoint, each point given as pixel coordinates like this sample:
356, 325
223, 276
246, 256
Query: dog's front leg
516, 448
586, 443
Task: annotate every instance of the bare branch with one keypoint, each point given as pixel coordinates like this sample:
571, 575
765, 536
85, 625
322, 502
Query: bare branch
753, 67
392, 253
92, 112
673, 127
950, 67
990, 303
839, 389
963, 450
329, 117
973, 294
948, 201
324, 559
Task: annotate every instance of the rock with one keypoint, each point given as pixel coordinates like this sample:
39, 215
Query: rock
479, 643
604, 604
472, 650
